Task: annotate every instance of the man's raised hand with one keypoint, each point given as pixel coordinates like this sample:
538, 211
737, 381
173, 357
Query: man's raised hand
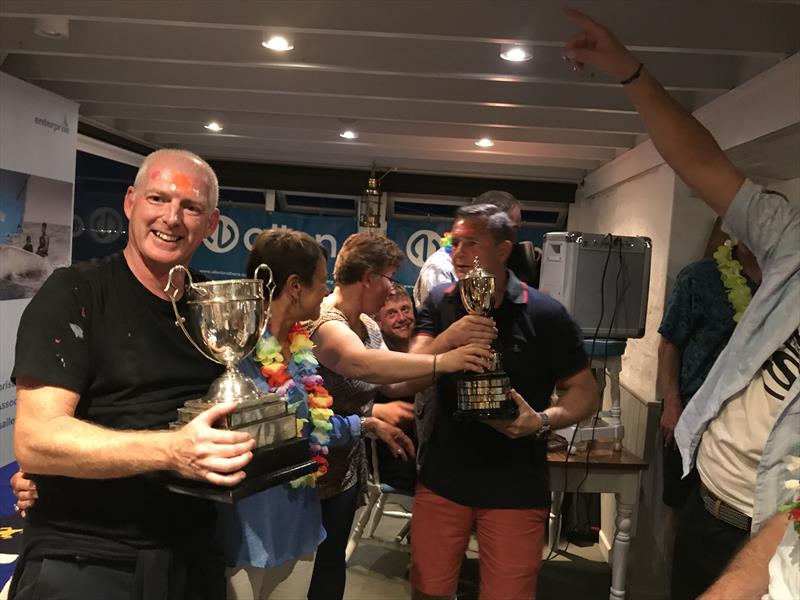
595, 45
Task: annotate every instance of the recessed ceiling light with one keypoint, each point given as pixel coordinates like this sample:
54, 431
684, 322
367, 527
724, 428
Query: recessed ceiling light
516, 54
213, 126
277, 43
349, 134
484, 143
52, 27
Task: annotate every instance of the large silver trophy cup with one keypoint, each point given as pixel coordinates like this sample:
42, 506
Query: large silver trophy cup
224, 322
482, 395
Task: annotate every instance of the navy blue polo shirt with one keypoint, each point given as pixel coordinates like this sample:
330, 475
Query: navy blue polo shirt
470, 462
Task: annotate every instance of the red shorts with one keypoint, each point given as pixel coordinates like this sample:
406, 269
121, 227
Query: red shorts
510, 544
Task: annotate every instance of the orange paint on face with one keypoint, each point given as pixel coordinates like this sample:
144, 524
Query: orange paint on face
183, 181
178, 182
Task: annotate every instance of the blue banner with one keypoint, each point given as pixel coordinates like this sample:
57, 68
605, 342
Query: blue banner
418, 240
224, 253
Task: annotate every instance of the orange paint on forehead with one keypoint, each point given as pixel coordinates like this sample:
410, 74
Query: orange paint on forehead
184, 181
178, 181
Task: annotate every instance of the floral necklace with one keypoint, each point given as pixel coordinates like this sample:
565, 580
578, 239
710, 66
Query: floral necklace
730, 270
447, 242
303, 389
792, 463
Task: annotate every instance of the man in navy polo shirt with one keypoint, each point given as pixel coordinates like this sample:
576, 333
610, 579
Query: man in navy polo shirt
492, 475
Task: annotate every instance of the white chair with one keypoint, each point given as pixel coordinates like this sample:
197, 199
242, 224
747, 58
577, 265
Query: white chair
378, 495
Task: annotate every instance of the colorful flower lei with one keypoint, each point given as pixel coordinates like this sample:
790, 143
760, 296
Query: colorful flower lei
793, 506
303, 389
447, 242
730, 269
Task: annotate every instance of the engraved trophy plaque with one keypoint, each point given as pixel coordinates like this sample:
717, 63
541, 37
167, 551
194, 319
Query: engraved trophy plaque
224, 322
482, 395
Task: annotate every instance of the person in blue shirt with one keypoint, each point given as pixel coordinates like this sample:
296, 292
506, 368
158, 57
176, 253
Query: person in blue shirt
743, 422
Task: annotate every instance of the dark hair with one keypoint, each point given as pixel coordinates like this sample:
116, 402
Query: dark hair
287, 252
497, 220
502, 200
364, 252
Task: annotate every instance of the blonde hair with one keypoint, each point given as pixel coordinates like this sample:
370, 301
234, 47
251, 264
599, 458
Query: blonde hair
365, 252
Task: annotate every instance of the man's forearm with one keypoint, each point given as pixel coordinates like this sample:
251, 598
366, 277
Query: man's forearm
431, 345
747, 577
686, 145
578, 402
669, 364
73, 448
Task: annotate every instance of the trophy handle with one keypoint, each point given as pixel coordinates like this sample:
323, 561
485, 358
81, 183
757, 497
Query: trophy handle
270, 285
179, 320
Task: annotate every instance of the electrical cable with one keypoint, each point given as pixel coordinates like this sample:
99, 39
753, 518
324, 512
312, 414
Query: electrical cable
610, 238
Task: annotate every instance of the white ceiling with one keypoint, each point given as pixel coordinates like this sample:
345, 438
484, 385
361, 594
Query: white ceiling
419, 80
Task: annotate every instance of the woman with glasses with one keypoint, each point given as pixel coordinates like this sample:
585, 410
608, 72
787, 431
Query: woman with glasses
355, 365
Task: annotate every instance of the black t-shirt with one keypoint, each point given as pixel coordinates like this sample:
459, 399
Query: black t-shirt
94, 329
470, 462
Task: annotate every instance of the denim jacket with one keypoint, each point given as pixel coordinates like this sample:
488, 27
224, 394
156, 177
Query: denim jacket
770, 226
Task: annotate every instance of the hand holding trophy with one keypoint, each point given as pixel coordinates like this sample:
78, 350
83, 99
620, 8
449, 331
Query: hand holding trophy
225, 321
482, 395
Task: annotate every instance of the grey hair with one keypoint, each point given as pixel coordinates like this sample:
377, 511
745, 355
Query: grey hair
141, 174
497, 220
502, 200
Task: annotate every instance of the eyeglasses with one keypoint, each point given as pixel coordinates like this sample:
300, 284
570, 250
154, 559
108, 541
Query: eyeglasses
391, 280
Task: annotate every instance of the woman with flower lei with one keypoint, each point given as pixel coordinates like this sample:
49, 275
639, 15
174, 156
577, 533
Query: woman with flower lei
283, 523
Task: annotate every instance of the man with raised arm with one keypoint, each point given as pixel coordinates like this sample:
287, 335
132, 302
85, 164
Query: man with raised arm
745, 417
100, 370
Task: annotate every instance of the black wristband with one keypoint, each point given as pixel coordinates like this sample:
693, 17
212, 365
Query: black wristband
635, 75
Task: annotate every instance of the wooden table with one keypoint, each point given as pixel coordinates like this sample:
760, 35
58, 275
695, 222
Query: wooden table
610, 471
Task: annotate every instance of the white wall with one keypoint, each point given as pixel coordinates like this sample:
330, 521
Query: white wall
639, 206
691, 223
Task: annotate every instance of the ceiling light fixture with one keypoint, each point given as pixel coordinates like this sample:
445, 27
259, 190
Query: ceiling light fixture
349, 134
53, 27
213, 126
278, 43
484, 143
515, 53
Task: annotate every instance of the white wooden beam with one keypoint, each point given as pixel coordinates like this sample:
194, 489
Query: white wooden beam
767, 103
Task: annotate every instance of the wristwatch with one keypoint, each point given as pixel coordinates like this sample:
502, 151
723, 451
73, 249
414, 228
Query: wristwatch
544, 430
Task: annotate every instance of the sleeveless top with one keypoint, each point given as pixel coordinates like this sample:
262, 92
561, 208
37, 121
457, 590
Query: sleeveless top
348, 465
